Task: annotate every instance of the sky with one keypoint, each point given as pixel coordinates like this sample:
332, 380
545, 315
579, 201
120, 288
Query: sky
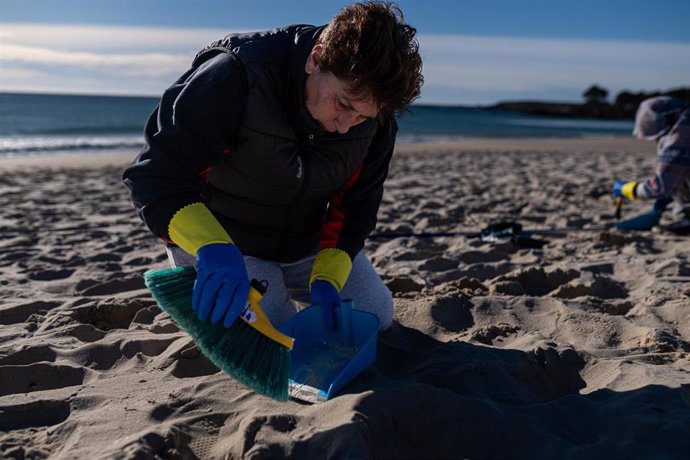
475, 52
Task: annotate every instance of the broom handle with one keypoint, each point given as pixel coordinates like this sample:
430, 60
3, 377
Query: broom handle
255, 316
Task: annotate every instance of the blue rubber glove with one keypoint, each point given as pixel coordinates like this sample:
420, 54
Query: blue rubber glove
325, 294
618, 188
625, 189
221, 288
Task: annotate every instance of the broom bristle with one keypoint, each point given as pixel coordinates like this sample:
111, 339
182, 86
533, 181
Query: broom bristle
241, 351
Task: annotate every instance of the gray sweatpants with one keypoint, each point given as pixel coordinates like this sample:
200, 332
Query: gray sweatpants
681, 203
288, 285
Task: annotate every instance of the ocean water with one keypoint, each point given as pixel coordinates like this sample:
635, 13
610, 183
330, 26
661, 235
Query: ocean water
38, 124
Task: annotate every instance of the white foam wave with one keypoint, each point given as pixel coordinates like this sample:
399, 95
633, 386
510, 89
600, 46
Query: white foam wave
19, 145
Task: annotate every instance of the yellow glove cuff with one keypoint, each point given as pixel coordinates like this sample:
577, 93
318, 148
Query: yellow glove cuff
195, 226
628, 190
332, 265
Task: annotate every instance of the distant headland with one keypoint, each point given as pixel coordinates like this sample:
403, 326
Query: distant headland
595, 105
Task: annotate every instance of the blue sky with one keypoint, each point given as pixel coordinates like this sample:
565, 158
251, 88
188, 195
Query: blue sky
474, 51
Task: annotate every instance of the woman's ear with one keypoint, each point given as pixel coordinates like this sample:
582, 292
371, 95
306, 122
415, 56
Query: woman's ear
312, 64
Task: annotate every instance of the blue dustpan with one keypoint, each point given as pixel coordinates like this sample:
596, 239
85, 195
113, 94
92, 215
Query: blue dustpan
647, 220
642, 222
322, 361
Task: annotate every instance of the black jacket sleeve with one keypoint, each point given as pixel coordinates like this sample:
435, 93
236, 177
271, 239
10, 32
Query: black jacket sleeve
190, 131
353, 209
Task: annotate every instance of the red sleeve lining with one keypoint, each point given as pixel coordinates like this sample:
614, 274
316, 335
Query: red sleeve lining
336, 214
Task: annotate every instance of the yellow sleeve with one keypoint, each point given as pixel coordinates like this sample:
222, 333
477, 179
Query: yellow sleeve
332, 265
195, 226
629, 190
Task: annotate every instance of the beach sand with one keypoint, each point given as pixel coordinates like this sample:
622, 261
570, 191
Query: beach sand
577, 350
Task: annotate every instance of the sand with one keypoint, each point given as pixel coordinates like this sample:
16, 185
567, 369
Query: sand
577, 350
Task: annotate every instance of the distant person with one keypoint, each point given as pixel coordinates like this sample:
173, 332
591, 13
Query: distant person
267, 159
665, 120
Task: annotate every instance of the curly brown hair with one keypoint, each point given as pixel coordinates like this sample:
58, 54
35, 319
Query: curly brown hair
369, 45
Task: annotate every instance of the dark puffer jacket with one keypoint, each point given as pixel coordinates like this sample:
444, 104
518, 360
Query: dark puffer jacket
234, 133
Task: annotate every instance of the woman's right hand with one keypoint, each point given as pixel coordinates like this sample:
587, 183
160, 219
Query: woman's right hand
221, 288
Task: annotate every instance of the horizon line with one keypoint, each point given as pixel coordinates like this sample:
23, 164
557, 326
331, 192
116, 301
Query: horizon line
418, 104
145, 96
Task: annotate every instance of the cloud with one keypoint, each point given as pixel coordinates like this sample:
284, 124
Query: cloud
457, 69
472, 68
103, 59
143, 64
108, 39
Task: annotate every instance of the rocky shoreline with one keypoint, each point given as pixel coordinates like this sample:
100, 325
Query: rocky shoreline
623, 107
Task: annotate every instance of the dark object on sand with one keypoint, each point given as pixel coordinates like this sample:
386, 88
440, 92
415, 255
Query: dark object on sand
495, 233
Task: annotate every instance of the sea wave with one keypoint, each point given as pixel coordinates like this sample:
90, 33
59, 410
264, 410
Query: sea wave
412, 138
29, 145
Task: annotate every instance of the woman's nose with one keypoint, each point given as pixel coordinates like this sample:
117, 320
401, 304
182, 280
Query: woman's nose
345, 121
341, 125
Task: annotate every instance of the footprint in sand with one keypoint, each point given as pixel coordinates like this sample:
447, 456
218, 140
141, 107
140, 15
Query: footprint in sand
38, 377
404, 284
29, 355
140, 261
439, 264
463, 285
672, 267
507, 287
32, 414
204, 434
91, 287
452, 313
487, 334
484, 272
492, 255
591, 285
613, 307
19, 313
192, 363
50, 275
534, 281
601, 269
196, 438
105, 257
663, 341
109, 314
414, 255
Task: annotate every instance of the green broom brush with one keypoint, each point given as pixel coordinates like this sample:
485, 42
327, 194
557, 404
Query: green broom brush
251, 351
